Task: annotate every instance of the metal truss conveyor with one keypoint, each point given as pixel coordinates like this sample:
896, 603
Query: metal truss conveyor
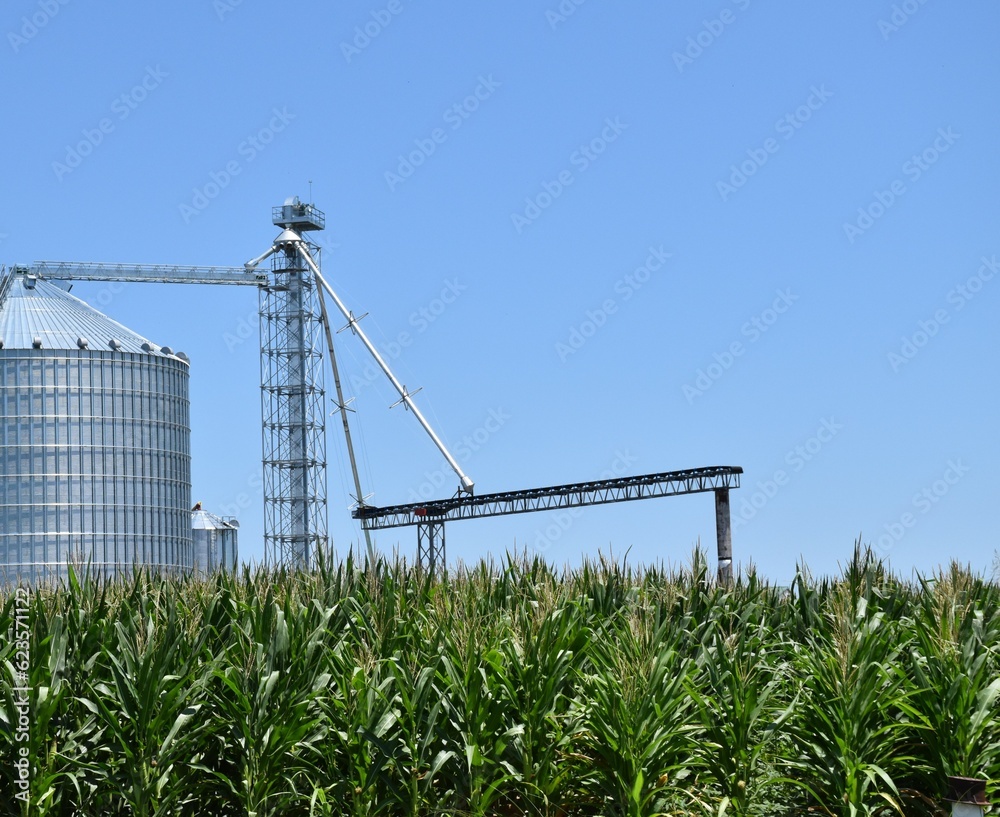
429, 517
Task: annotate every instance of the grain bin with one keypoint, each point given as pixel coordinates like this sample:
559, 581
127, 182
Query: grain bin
215, 542
95, 464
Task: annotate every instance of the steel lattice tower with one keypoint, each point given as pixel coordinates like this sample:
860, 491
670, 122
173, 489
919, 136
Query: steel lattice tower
292, 402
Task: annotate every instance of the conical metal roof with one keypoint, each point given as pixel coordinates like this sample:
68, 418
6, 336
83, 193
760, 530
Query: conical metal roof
36, 314
203, 520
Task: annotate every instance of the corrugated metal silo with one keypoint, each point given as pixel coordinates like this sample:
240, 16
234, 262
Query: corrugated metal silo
215, 542
95, 458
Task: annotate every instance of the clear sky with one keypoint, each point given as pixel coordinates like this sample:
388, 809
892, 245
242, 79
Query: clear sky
604, 237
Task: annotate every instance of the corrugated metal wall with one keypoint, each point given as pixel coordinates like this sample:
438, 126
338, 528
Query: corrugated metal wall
215, 543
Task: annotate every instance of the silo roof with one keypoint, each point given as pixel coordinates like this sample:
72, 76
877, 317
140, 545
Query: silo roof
203, 520
36, 310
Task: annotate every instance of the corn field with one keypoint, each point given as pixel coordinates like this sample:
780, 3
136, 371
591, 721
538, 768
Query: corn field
510, 689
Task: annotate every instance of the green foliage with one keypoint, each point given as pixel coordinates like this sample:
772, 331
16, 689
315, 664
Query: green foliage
504, 690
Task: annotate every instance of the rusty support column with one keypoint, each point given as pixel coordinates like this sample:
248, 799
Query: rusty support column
724, 535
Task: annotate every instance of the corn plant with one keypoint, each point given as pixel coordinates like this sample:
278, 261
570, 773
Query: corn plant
542, 664
851, 729
480, 725
504, 689
146, 701
637, 716
954, 674
265, 696
740, 691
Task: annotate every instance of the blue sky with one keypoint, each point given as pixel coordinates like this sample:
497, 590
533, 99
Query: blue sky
647, 236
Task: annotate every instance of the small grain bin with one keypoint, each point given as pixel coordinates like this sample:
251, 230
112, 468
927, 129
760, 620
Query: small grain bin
215, 542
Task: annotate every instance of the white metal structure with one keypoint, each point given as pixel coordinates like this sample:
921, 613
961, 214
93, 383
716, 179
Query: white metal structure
291, 240
292, 317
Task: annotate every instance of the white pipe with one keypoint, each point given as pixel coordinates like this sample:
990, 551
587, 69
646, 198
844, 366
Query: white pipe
252, 264
466, 483
347, 427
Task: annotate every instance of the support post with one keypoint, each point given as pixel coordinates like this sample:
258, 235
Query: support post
430, 545
724, 536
